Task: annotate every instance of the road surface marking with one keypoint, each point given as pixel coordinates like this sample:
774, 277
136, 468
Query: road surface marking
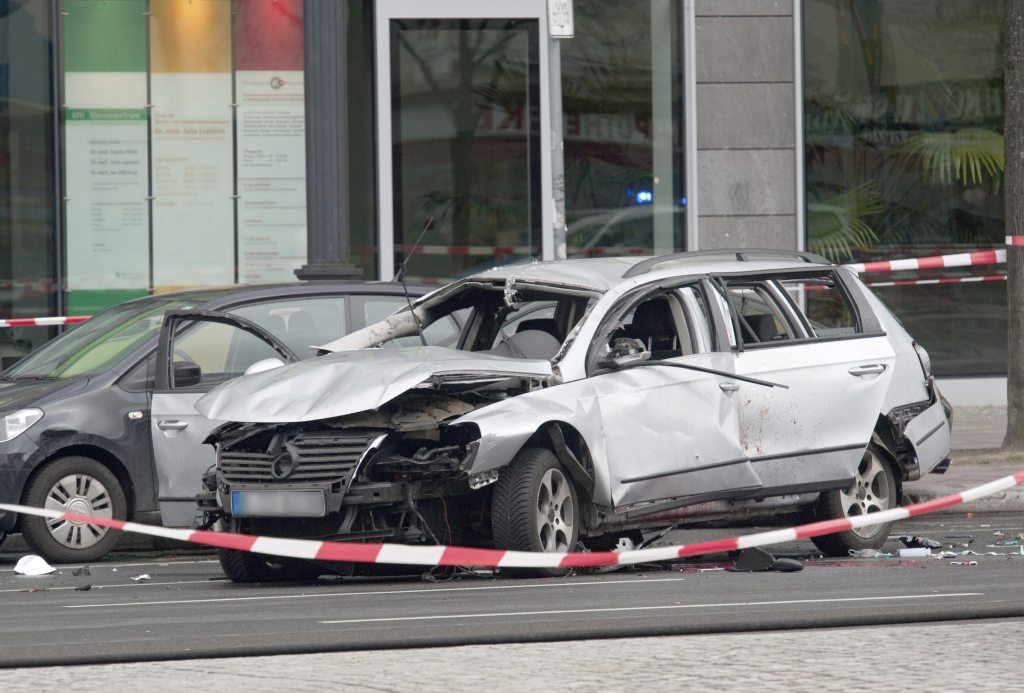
611, 609
365, 593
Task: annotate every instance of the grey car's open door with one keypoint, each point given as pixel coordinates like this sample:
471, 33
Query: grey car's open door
197, 351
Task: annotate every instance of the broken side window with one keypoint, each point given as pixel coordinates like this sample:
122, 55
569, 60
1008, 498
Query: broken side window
824, 305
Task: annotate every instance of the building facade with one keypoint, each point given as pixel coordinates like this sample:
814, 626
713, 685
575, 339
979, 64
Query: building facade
148, 145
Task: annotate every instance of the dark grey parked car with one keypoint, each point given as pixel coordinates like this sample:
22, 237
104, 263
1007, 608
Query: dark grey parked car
97, 422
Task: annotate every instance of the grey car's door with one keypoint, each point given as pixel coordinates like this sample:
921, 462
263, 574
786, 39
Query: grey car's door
197, 351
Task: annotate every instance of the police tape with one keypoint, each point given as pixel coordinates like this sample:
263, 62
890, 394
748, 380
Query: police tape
45, 322
973, 259
404, 554
942, 280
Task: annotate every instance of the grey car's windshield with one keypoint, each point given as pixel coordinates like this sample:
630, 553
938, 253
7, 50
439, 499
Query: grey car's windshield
97, 344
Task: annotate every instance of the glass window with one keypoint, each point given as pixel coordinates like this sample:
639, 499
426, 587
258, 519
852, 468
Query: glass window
903, 105
466, 142
623, 124
301, 323
824, 305
221, 351
184, 145
28, 221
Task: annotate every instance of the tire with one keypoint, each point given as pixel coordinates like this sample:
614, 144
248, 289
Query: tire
247, 567
534, 507
75, 484
873, 490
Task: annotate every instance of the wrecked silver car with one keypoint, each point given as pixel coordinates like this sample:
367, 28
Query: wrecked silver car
586, 401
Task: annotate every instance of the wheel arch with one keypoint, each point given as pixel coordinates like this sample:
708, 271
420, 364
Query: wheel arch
884, 439
570, 447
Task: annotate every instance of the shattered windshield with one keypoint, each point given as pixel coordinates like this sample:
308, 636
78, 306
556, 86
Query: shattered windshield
511, 319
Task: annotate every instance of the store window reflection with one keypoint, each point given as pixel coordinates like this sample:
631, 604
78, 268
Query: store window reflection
904, 158
27, 206
466, 133
621, 78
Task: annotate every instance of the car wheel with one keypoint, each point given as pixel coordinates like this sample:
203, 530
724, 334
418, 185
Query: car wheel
873, 490
534, 507
244, 566
79, 485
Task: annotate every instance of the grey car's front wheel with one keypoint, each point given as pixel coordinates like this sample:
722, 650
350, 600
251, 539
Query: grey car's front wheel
79, 485
534, 507
873, 490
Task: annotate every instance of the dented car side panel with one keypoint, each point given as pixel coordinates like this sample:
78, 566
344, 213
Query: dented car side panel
676, 447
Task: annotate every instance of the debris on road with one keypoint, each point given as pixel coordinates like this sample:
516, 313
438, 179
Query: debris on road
144, 577
869, 553
963, 563
913, 542
915, 552
84, 570
758, 560
83, 588
33, 565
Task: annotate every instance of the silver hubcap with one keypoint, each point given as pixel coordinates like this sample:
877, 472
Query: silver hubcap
84, 495
556, 515
871, 492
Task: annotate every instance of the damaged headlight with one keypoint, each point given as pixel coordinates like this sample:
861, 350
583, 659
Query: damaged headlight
483, 479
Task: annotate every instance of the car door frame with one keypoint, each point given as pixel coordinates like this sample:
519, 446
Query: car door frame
824, 466
718, 471
173, 479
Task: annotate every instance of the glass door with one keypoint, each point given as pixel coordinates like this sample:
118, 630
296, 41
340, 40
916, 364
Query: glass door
462, 106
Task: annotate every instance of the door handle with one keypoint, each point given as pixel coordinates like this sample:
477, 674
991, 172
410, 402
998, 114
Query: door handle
729, 386
172, 425
873, 369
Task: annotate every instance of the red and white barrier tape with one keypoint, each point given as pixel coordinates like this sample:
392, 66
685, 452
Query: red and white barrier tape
974, 259
944, 280
456, 555
44, 322
1015, 240
978, 257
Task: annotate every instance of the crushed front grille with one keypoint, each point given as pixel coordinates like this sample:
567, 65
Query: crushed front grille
310, 457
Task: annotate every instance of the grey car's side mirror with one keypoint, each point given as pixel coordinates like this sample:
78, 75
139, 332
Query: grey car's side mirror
624, 351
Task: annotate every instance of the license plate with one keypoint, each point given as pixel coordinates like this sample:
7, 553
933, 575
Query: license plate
290, 503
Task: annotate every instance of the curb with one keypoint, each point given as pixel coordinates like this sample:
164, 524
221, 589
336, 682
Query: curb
1011, 501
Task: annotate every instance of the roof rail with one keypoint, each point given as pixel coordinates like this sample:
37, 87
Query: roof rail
741, 254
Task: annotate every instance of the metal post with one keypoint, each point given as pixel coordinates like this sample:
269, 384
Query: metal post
325, 33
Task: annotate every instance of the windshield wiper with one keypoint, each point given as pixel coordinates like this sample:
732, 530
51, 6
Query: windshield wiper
701, 369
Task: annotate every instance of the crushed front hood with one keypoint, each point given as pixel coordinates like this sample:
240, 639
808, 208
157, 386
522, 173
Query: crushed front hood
348, 382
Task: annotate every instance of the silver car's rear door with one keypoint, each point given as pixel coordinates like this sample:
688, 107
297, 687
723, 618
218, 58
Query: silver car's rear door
805, 333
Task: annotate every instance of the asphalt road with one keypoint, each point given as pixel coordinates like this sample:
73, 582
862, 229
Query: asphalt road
186, 609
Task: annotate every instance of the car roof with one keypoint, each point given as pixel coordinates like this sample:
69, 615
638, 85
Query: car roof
220, 297
601, 274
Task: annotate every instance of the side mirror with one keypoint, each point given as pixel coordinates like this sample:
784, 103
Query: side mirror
185, 374
264, 365
624, 351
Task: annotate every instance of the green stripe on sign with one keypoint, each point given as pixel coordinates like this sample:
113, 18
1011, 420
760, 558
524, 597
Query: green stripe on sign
92, 301
119, 114
102, 36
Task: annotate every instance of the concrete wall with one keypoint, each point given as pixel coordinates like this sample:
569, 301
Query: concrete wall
746, 124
